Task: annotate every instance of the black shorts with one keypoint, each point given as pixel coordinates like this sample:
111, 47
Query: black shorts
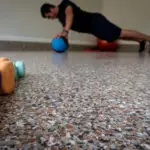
103, 29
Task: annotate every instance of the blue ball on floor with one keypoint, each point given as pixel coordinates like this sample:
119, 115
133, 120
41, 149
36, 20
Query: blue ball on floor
59, 44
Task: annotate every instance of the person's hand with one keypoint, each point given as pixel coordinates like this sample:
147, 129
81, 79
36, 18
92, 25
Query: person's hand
63, 33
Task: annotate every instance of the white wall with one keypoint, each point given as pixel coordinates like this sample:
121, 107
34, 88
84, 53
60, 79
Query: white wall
21, 20
132, 14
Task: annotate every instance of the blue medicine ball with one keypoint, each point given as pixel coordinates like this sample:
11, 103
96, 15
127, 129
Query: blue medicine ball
59, 44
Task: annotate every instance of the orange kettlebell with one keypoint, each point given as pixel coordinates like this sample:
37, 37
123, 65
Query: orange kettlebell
7, 76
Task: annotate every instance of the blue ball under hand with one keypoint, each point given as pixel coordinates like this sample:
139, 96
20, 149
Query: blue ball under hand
59, 44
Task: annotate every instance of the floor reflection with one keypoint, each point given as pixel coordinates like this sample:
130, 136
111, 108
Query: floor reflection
58, 58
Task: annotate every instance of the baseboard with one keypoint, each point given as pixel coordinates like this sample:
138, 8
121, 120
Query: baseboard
42, 40
123, 42
47, 40
10, 43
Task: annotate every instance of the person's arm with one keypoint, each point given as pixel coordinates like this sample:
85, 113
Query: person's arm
69, 18
69, 21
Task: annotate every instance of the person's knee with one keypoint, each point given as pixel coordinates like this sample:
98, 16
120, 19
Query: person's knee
123, 33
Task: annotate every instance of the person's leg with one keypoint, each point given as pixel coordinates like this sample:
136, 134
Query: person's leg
135, 36
104, 29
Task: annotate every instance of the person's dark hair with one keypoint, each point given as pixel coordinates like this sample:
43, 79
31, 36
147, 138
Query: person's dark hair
45, 8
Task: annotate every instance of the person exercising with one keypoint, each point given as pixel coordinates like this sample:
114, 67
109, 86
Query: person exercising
72, 17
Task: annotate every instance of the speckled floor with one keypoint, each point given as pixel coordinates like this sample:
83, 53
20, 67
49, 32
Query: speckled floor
90, 101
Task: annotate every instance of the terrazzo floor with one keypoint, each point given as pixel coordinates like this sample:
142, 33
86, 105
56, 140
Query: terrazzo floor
89, 101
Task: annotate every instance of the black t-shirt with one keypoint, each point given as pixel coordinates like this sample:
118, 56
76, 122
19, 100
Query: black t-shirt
82, 19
